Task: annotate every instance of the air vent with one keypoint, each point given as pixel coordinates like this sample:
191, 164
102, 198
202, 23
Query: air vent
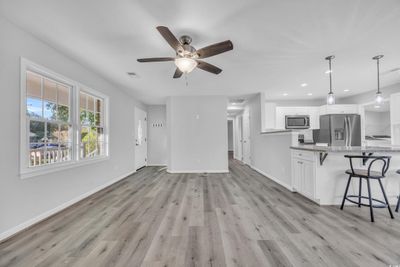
133, 74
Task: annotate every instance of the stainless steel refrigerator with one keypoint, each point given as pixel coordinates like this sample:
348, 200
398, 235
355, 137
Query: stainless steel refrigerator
340, 129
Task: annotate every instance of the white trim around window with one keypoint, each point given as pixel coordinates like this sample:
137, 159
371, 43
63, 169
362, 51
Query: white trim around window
26, 168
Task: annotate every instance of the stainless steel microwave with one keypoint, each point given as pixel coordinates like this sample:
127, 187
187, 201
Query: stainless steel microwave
297, 121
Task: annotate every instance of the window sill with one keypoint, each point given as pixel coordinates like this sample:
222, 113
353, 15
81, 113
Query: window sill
29, 173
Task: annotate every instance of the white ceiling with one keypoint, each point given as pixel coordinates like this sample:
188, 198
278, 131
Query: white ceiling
277, 44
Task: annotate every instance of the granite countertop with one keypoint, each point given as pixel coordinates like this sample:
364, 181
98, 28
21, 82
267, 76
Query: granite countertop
346, 148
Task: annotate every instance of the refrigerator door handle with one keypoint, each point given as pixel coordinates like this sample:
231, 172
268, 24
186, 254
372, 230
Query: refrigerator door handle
350, 132
346, 130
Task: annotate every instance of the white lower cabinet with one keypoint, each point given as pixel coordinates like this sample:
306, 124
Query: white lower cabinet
303, 174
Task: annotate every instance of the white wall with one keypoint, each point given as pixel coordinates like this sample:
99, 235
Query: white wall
230, 135
23, 201
197, 134
157, 135
270, 153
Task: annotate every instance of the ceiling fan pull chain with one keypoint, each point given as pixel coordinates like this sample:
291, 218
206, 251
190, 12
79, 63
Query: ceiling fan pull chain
186, 80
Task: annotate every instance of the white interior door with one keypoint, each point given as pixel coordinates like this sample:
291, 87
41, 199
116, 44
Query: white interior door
140, 138
239, 138
246, 138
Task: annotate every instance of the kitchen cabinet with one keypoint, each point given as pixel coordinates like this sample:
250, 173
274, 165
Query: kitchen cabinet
303, 173
339, 109
395, 118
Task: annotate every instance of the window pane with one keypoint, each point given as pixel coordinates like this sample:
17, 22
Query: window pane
52, 134
34, 107
36, 154
101, 148
65, 152
90, 106
99, 105
82, 100
36, 131
63, 113
64, 133
52, 153
50, 91
63, 95
50, 110
100, 135
33, 85
90, 118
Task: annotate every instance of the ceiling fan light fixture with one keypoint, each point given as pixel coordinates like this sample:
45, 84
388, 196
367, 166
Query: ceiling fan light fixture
185, 64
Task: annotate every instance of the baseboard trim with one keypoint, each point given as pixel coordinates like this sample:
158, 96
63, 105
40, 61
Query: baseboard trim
288, 187
29, 223
198, 171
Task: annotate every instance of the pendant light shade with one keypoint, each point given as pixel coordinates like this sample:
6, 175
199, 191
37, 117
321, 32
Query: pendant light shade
330, 99
378, 95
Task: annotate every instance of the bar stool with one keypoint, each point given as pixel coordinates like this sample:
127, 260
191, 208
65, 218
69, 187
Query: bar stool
398, 201
368, 175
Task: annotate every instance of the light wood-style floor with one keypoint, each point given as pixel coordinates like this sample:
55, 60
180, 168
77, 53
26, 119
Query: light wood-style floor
154, 218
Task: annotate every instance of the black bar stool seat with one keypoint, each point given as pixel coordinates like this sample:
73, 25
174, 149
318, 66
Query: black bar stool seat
364, 173
368, 174
398, 201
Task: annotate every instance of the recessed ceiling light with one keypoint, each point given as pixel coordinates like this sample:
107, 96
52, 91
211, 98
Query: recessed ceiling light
328, 71
346, 90
285, 94
309, 94
303, 85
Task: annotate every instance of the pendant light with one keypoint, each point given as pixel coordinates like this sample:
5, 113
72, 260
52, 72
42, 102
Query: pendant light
378, 95
330, 99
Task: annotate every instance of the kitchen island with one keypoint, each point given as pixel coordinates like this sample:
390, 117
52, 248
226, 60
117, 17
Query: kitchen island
318, 172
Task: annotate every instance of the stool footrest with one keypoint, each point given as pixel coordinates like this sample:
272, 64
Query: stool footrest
351, 197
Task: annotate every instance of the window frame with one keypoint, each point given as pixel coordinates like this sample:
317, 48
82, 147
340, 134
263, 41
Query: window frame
24, 170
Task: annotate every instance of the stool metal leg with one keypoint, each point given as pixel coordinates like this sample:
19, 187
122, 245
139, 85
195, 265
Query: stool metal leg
345, 192
359, 193
398, 205
386, 200
370, 200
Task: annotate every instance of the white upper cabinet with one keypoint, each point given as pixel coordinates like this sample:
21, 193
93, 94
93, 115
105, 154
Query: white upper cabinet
395, 108
395, 118
339, 109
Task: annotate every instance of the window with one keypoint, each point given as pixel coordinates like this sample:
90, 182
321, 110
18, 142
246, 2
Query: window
92, 125
48, 118
62, 122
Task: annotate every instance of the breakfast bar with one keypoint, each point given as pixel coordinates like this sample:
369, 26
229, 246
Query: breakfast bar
318, 172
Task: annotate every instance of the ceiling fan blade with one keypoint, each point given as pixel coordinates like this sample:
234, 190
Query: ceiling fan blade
178, 73
170, 38
215, 49
156, 59
208, 67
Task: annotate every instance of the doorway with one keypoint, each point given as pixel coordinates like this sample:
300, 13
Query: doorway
246, 137
230, 139
140, 138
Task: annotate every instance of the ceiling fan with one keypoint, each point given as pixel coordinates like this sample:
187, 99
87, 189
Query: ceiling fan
187, 57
